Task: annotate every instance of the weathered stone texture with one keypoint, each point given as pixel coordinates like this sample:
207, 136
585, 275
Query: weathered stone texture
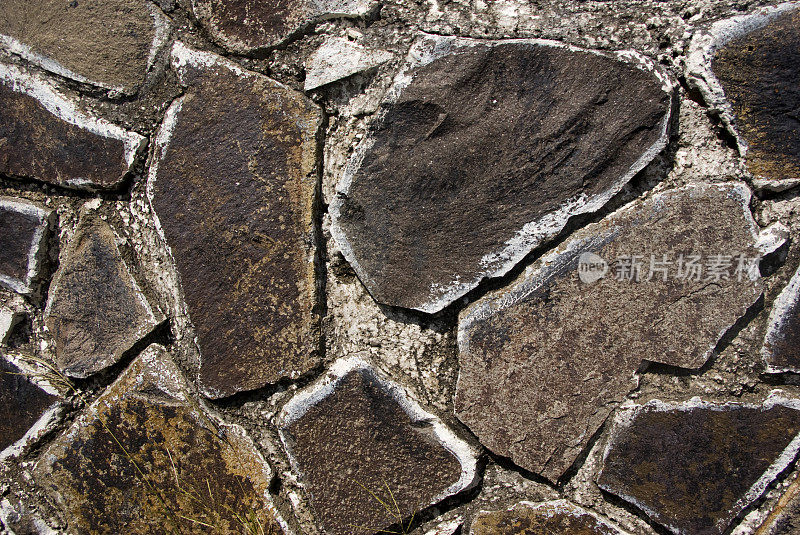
22, 404
24, 228
781, 350
339, 58
550, 518
96, 311
354, 435
234, 189
146, 459
694, 466
483, 152
44, 136
109, 43
543, 362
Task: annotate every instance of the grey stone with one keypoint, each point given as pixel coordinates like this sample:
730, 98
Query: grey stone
544, 361
12, 311
558, 517
781, 349
24, 231
483, 151
339, 58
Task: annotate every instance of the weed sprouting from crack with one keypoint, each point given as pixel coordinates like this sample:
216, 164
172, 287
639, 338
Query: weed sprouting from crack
393, 509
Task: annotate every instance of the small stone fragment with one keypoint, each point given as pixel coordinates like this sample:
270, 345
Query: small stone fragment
234, 189
96, 311
558, 517
339, 58
355, 438
747, 68
248, 25
12, 311
484, 151
145, 458
45, 137
781, 349
694, 466
659, 280
107, 43
24, 229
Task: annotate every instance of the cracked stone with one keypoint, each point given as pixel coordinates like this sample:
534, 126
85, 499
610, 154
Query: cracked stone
44, 136
483, 151
571, 349
146, 458
355, 438
248, 25
106, 43
96, 311
781, 349
558, 517
747, 69
234, 190
694, 466
24, 230
339, 58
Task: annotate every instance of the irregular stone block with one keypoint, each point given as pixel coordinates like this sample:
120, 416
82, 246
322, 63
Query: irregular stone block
24, 229
96, 311
248, 25
146, 458
339, 58
107, 43
781, 349
569, 335
747, 68
558, 517
483, 151
233, 188
694, 466
44, 136
356, 438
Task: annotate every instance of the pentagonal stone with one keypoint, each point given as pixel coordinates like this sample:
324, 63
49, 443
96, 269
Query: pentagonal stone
747, 68
234, 189
358, 441
44, 136
247, 25
694, 466
570, 349
108, 43
24, 230
558, 517
96, 311
483, 152
145, 458
781, 350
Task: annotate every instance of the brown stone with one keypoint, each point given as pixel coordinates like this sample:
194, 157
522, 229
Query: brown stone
781, 350
109, 43
24, 230
694, 466
483, 152
96, 311
43, 136
550, 518
544, 361
356, 439
144, 458
234, 190
22, 404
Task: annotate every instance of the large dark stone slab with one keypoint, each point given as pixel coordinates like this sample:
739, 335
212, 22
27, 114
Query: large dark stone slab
694, 466
483, 151
44, 136
356, 438
558, 517
24, 230
109, 43
234, 189
144, 458
22, 404
96, 311
544, 361
781, 350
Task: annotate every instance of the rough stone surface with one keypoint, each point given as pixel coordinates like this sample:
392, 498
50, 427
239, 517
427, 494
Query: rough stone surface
12, 311
24, 229
781, 350
247, 25
22, 404
570, 349
339, 58
551, 518
44, 136
108, 43
694, 466
234, 190
96, 311
483, 153
355, 438
146, 459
